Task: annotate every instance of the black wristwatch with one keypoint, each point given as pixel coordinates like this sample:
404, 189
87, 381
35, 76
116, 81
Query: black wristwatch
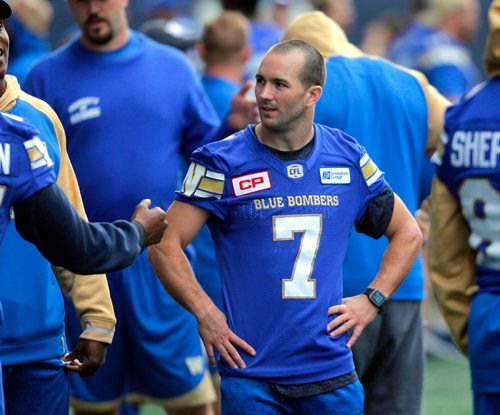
377, 298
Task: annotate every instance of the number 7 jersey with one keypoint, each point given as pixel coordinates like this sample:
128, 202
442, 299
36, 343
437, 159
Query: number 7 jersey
280, 230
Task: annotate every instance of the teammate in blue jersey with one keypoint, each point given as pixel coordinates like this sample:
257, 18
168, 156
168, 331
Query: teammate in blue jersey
280, 198
138, 107
45, 217
464, 253
435, 44
358, 92
32, 340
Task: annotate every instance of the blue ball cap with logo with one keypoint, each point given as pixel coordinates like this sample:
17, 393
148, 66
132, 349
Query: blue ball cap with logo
5, 10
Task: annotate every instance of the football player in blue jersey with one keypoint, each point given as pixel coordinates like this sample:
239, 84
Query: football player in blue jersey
464, 244
280, 198
357, 89
45, 217
138, 107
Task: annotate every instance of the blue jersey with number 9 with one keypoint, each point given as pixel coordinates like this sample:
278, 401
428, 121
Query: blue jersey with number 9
469, 165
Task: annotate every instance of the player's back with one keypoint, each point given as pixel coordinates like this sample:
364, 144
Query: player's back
385, 109
470, 168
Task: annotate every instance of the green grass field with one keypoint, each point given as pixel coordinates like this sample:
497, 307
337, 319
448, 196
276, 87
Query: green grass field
447, 389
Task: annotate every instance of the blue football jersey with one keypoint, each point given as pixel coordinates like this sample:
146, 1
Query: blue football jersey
280, 231
469, 166
25, 167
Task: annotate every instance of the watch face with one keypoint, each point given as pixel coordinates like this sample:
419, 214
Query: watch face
377, 297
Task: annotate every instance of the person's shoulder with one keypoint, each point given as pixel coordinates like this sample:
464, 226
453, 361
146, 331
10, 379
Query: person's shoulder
18, 128
338, 142
32, 106
228, 152
58, 55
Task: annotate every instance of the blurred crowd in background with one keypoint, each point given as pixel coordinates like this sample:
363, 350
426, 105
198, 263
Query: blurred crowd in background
39, 26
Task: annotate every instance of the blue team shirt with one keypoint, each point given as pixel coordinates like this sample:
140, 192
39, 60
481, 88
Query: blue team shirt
469, 166
386, 110
280, 231
125, 149
25, 167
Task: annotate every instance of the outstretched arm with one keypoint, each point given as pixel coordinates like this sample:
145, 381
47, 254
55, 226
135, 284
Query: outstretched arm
405, 241
49, 221
173, 269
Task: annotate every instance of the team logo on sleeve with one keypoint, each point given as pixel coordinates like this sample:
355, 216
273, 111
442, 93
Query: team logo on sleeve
335, 175
38, 154
204, 183
251, 183
371, 172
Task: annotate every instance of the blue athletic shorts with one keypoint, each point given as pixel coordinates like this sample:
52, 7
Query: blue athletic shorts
156, 351
241, 396
36, 388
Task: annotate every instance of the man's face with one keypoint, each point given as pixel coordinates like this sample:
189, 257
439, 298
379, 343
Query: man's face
4, 50
279, 91
99, 20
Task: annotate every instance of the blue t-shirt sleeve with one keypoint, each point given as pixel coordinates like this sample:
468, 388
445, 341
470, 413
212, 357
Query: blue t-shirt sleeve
449, 80
205, 183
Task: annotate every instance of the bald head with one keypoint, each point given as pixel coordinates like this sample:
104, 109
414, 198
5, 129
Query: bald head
313, 71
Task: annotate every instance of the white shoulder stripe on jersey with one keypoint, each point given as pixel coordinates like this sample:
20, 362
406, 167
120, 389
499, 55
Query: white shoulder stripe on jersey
374, 178
37, 153
371, 172
365, 159
214, 175
203, 183
3, 191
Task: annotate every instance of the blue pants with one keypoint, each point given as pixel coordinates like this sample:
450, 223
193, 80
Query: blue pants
241, 396
36, 388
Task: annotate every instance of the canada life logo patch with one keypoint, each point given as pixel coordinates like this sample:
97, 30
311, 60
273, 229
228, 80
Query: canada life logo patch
251, 183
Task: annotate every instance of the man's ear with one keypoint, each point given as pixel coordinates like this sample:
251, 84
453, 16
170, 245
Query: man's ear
313, 95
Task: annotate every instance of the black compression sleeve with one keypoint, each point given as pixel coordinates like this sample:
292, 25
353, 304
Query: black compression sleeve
377, 215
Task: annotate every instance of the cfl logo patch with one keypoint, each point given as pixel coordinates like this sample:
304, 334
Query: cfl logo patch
295, 171
251, 183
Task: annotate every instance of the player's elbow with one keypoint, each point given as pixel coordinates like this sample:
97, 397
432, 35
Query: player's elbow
413, 237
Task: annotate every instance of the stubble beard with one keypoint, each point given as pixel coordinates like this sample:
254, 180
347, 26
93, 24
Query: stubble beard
99, 39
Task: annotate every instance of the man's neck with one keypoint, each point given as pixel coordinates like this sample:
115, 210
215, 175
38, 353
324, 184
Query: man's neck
290, 140
230, 72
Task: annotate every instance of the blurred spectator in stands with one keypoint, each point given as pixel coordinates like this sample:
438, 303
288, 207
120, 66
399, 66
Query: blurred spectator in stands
436, 44
28, 30
263, 34
343, 12
381, 32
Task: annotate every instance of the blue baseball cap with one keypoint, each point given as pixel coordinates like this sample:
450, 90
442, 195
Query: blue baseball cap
5, 10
